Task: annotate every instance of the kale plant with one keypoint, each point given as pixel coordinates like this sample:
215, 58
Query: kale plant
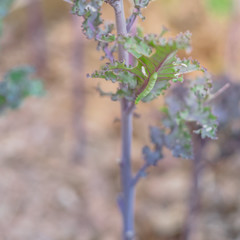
155, 70
17, 83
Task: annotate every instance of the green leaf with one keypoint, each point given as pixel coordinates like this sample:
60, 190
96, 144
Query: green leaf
179, 141
136, 46
185, 106
107, 38
208, 123
93, 25
91, 13
154, 55
17, 84
157, 138
158, 89
141, 3
220, 7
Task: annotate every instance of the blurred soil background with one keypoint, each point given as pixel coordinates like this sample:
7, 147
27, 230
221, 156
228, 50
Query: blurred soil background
59, 154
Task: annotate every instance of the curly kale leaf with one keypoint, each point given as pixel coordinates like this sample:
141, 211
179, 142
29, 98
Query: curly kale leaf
90, 10
154, 55
185, 106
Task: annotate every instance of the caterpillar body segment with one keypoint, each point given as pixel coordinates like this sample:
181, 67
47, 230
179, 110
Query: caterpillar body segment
149, 87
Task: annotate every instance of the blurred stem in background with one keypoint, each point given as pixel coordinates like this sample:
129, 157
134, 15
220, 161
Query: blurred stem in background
232, 46
78, 92
37, 35
195, 192
230, 67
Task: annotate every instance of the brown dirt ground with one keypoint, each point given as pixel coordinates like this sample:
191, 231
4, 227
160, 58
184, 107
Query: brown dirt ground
44, 195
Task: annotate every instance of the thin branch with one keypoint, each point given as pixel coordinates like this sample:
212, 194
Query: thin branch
131, 20
108, 53
219, 92
131, 107
141, 172
120, 203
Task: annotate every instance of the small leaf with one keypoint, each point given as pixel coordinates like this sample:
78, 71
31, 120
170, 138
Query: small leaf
141, 3
107, 38
136, 46
179, 141
153, 156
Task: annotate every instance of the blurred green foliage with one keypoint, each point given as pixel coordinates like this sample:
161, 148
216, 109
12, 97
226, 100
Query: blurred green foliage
18, 84
220, 7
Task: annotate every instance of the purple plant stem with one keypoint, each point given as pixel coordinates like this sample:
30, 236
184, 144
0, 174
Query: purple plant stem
195, 192
132, 30
141, 173
126, 200
126, 176
132, 20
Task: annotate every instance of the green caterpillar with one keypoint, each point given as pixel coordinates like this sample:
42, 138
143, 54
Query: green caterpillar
149, 87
